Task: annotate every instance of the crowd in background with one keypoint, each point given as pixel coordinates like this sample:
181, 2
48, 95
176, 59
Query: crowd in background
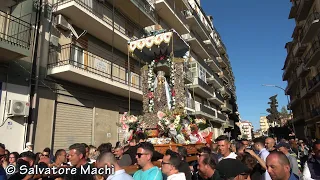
262, 158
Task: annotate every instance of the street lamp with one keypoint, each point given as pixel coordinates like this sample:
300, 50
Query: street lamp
290, 111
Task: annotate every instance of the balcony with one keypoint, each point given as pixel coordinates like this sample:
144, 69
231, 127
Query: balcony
303, 9
213, 64
291, 83
227, 108
310, 28
303, 92
291, 63
294, 100
189, 104
201, 88
15, 37
302, 71
96, 18
211, 47
167, 10
293, 10
204, 111
217, 99
225, 92
314, 85
215, 81
222, 62
139, 11
299, 49
79, 66
222, 116
313, 55
223, 77
196, 24
188, 77
197, 45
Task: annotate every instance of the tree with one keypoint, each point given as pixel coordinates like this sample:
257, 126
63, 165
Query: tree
274, 115
284, 112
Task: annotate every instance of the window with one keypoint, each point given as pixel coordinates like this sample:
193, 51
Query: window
202, 74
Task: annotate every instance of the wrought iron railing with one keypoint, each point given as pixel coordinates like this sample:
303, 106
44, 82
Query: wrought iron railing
189, 103
207, 110
15, 30
146, 7
309, 21
221, 116
180, 14
104, 12
219, 96
205, 85
314, 48
76, 56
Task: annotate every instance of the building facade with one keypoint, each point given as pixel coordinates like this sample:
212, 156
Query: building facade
301, 68
264, 125
82, 78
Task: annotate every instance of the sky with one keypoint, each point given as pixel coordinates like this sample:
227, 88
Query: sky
255, 33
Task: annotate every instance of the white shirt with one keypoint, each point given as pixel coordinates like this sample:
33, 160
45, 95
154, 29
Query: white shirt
263, 154
232, 155
120, 175
306, 175
179, 176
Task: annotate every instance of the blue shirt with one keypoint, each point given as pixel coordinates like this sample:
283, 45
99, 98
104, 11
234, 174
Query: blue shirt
3, 174
120, 175
293, 176
153, 173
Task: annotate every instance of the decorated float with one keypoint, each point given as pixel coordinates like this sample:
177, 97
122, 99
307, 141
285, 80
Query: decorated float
164, 119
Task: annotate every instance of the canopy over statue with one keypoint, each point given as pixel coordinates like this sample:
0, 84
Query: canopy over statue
165, 53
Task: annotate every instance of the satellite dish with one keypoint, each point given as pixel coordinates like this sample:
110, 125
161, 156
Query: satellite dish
18, 107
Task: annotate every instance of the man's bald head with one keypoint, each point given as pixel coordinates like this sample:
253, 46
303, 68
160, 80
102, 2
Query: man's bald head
282, 158
270, 143
278, 166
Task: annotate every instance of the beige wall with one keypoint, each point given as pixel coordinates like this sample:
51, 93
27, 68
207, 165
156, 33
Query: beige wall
44, 126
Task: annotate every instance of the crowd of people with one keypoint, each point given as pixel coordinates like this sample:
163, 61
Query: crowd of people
262, 158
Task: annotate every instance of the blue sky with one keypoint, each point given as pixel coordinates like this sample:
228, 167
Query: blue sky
255, 33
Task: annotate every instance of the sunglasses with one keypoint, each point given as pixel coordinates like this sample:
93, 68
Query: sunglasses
140, 154
2, 155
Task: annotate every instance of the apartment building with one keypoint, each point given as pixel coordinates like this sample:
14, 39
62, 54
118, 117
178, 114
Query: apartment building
301, 68
17, 33
264, 125
86, 79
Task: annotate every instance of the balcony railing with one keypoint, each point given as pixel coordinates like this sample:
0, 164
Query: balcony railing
219, 96
314, 48
221, 116
309, 22
146, 7
204, 85
73, 55
180, 14
104, 12
314, 82
207, 110
204, 21
15, 30
189, 103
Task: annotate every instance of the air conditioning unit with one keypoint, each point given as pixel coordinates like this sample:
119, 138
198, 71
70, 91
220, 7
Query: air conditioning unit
18, 108
62, 22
